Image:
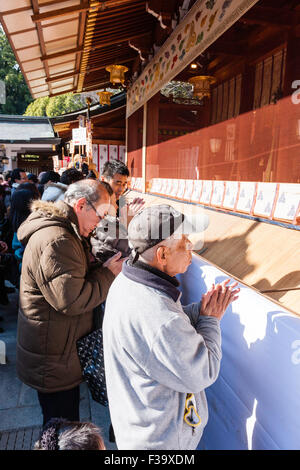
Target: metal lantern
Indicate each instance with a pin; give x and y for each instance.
(201, 84)
(104, 97)
(117, 73)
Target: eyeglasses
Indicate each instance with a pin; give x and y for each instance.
(191, 416)
(94, 208)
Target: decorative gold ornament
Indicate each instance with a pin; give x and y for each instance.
(201, 84)
(117, 73)
(104, 97)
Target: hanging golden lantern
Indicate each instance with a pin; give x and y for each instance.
(117, 73)
(104, 97)
(201, 84)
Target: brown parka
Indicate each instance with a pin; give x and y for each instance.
(58, 291)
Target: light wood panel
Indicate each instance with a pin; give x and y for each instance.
(263, 255)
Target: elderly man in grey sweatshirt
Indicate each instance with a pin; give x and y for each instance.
(160, 356)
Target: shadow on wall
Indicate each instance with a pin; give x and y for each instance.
(290, 280)
(254, 402)
(230, 253)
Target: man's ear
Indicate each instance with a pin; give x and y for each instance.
(161, 255)
(79, 205)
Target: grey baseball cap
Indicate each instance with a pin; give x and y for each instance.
(156, 223)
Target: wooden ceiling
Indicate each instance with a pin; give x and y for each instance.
(64, 45)
(47, 39)
(107, 38)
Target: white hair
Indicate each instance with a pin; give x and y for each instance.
(92, 190)
(149, 255)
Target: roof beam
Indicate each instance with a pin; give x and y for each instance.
(105, 5)
(102, 66)
(40, 34)
(118, 40)
(72, 90)
(60, 54)
(16, 10)
(62, 77)
(49, 15)
(96, 85)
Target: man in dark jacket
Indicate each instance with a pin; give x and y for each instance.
(58, 292)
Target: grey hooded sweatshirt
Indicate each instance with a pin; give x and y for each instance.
(156, 352)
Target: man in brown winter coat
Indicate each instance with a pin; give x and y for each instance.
(58, 291)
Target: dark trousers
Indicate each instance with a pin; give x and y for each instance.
(63, 404)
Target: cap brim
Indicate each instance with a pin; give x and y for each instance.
(193, 224)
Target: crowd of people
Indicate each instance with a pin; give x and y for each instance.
(76, 250)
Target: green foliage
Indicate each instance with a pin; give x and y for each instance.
(181, 92)
(17, 93)
(54, 106)
(62, 104)
(37, 107)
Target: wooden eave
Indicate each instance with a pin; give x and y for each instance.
(47, 40)
(64, 46)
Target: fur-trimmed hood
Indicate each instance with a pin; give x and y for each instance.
(47, 214)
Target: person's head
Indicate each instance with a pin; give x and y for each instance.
(116, 174)
(41, 174)
(90, 201)
(7, 175)
(172, 255)
(71, 175)
(18, 176)
(31, 187)
(158, 236)
(20, 204)
(32, 177)
(49, 176)
(61, 434)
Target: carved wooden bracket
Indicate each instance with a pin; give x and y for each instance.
(163, 11)
(143, 46)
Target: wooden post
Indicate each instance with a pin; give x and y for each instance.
(135, 143)
(126, 141)
(247, 92)
(144, 148)
(243, 164)
(292, 68)
(152, 137)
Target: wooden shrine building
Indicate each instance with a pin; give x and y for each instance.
(212, 116)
